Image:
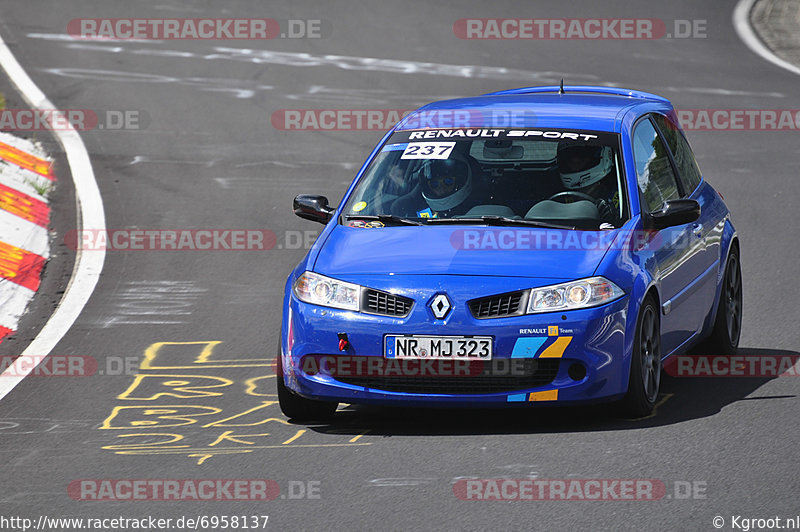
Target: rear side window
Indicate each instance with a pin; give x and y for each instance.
(654, 173)
(688, 170)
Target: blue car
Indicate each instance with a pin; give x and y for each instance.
(549, 245)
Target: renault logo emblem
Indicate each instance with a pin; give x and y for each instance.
(440, 306)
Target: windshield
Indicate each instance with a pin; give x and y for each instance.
(557, 177)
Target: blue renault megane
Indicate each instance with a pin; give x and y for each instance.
(538, 245)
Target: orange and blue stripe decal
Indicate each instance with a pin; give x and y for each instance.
(557, 348)
(24, 206)
(528, 347)
(544, 395)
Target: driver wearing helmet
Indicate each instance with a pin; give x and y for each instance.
(447, 185)
(587, 169)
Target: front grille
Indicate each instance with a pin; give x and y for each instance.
(531, 373)
(386, 304)
(499, 306)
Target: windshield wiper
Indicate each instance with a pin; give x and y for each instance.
(497, 220)
(388, 219)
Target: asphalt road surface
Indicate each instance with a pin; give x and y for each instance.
(208, 156)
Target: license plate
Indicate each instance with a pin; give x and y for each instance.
(439, 347)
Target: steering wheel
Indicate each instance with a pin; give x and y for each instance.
(573, 193)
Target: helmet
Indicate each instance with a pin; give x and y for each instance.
(446, 183)
(583, 165)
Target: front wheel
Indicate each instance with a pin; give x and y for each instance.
(299, 408)
(644, 379)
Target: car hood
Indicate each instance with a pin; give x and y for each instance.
(463, 250)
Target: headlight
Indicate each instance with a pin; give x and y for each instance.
(573, 295)
(320, 290)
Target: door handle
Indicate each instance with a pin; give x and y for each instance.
(697, 229)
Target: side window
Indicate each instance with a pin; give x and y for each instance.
(654, 173)
(689, 172)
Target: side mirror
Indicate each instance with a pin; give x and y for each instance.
(675, 212)
(314, 208)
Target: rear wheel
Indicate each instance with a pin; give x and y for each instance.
(645, 375)
(724, 339)
(299, 408)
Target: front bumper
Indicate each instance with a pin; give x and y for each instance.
(584, 352)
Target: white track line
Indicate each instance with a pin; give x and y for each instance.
(88, 265)
(741, 22)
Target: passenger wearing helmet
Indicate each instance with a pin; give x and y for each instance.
(447, 185)
(589, 169)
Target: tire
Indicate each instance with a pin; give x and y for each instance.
(644, 378)
(299, 408)
(724, 338)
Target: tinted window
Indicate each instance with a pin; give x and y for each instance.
(564, 177)
(689, 172)
(653, 169)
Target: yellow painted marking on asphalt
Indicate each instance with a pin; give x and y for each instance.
(223, 450)
(265, 404)
(156, 380)
(252, 384)
(203, 359)
(557, 348)
(297, 435)
(162, 444)
(206, 355)
(170, 412)
(151, 353)
(203, 454)
(237, 438)
(654, 413)
(546, 395)
(180, 386)
(356, 438)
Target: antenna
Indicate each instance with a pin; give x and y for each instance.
(561, 89)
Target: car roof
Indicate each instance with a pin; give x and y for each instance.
(579, 107)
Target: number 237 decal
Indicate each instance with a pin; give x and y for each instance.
(428, 150)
